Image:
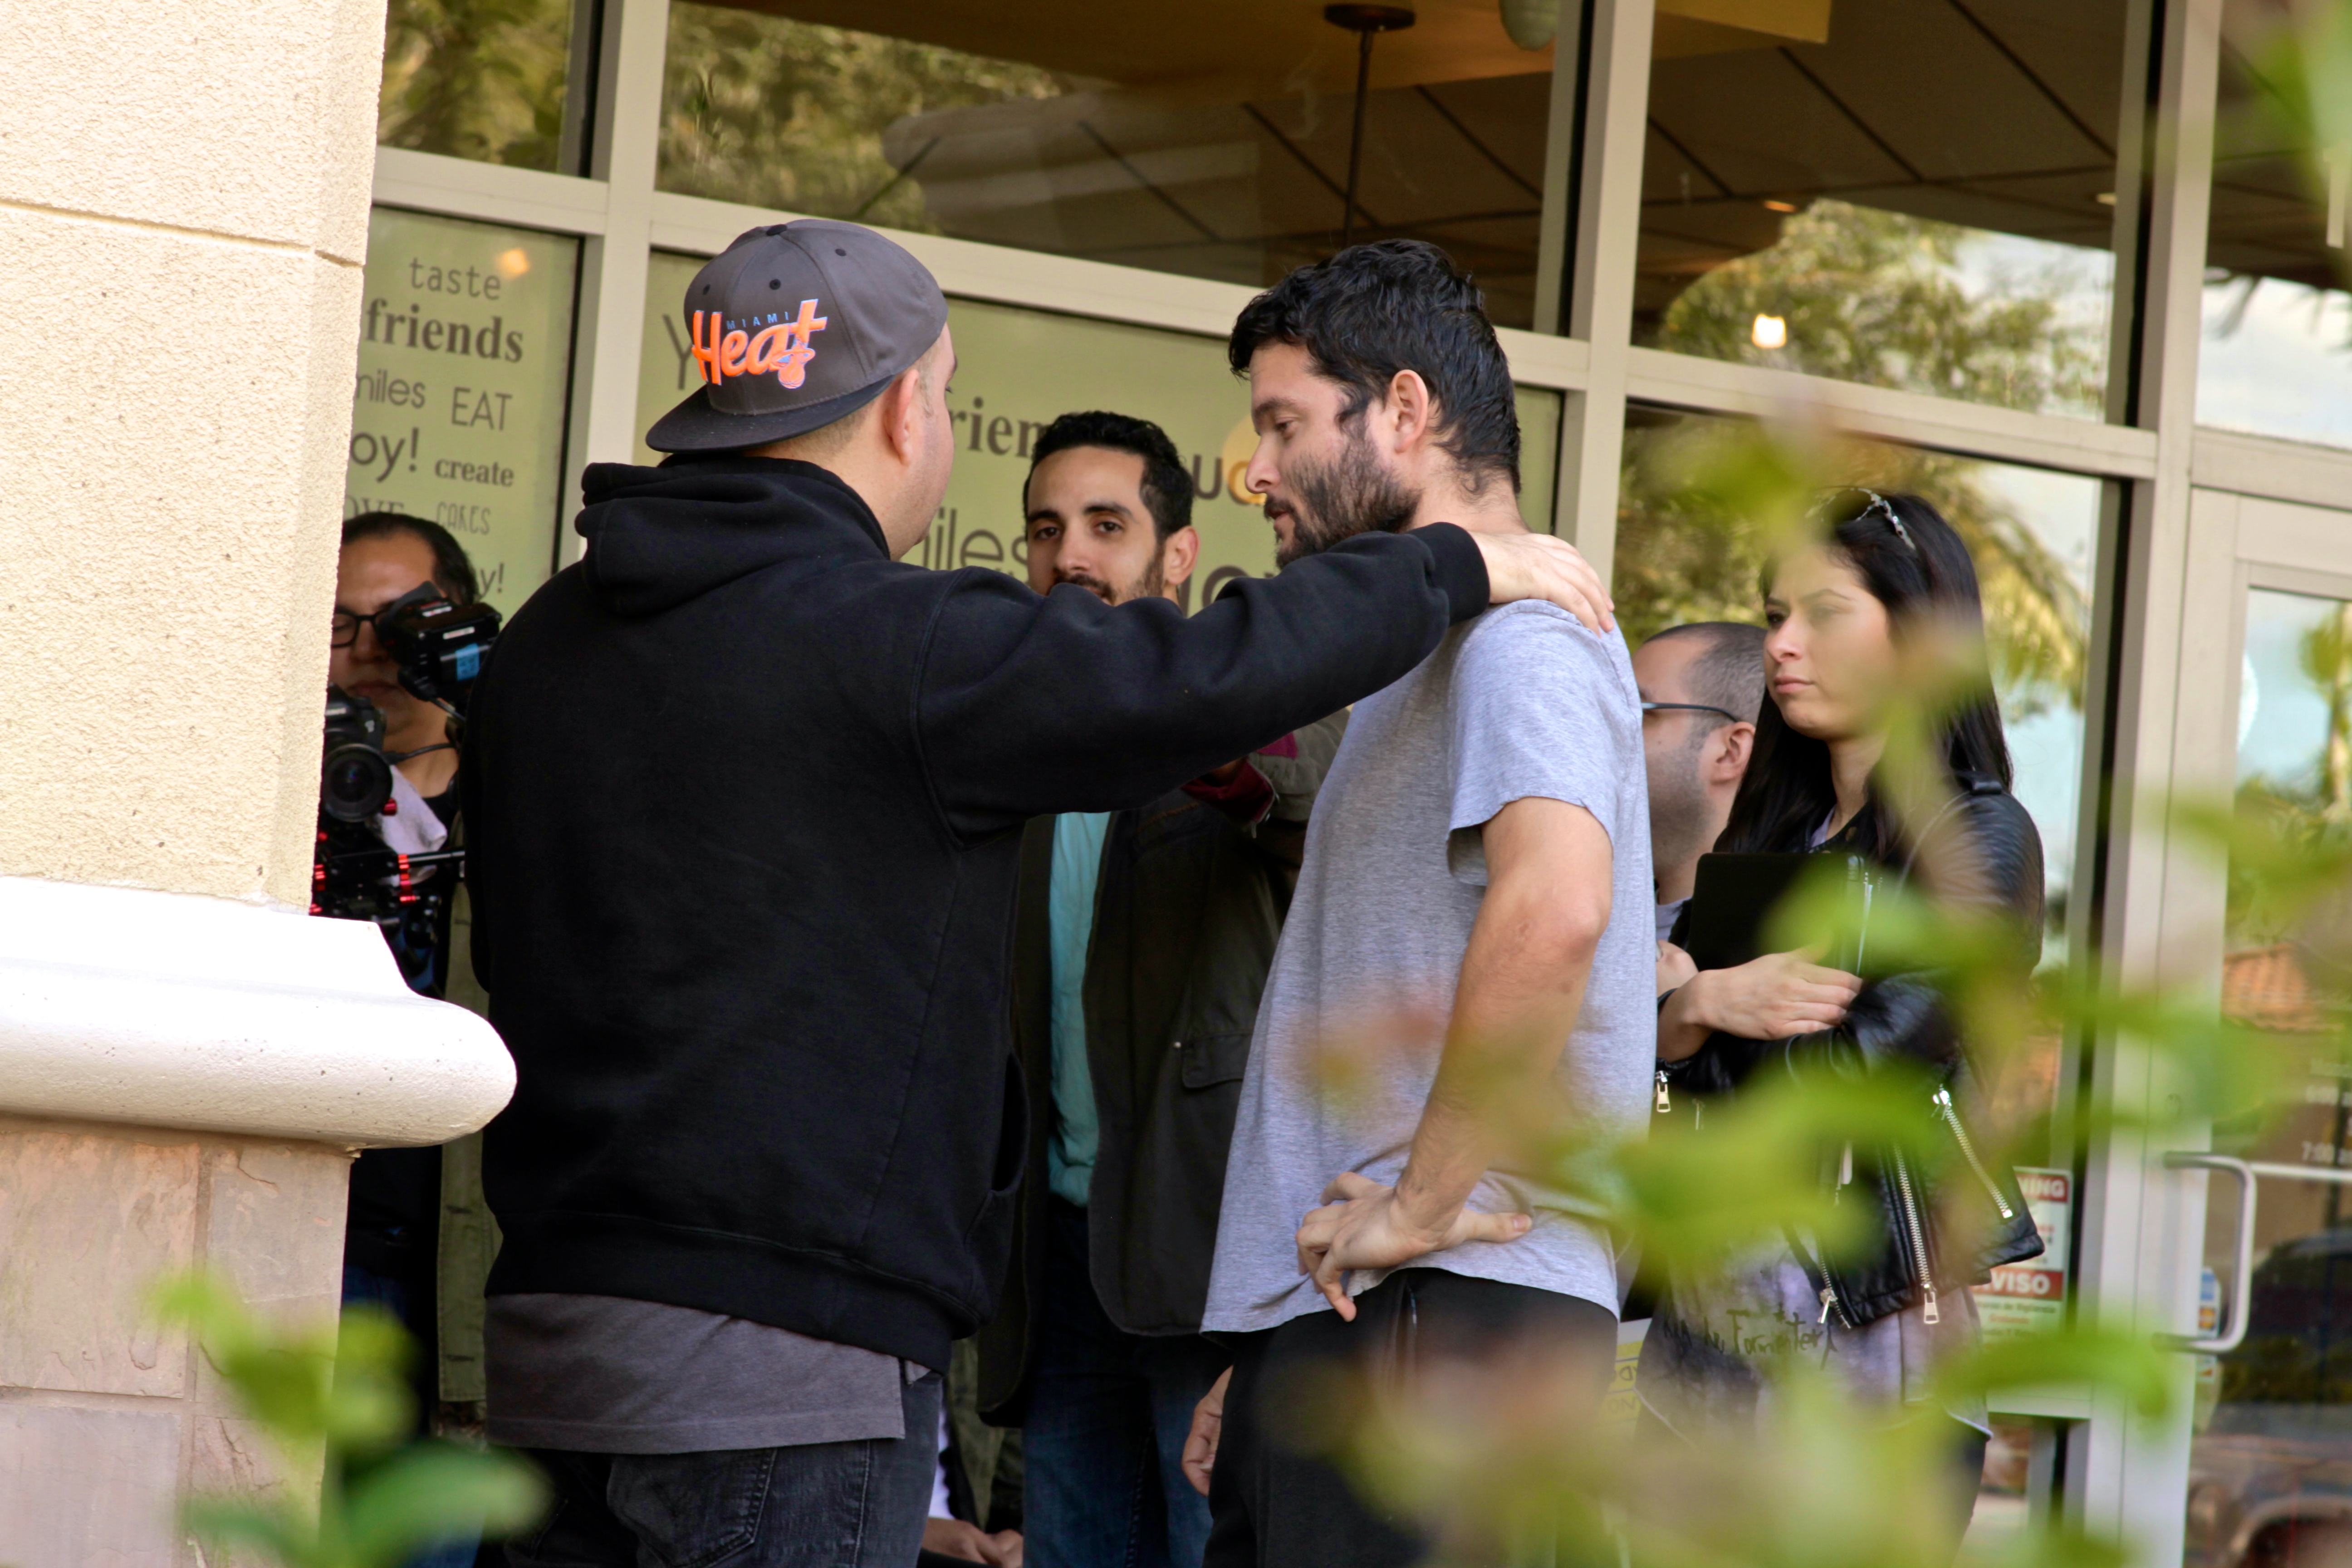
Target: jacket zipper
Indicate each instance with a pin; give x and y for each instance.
(1830, 1303)
(1862, 935)
(1664, 1105)
(1951, 1115)
(1918, 1237)
(1818, 1268)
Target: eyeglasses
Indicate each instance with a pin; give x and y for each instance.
(1690, 708)
(345, 628)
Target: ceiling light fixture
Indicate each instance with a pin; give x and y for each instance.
(1769, 332)
(1781, 206)
(1531, 23)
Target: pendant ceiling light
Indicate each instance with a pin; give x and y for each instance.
(1364, 21)
(1531, 23)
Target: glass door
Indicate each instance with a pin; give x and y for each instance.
(2270, 1462)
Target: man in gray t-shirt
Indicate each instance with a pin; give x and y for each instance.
(1468, 958)
(1522, 704)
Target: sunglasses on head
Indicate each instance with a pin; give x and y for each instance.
(1878, 504)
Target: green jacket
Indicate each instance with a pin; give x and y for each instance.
(1187, 913)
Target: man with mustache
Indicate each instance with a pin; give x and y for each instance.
(1141, 942)
(1469, 952)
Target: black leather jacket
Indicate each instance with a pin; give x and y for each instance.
(1902, 1020)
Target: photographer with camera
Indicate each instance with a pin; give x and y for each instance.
(407, 639)
(386, 557)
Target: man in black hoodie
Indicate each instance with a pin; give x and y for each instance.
(746, 794)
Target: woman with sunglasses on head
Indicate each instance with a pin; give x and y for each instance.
(1853, 620)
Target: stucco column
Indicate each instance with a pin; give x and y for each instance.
(186, 1059)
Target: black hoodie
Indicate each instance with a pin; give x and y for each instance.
(743, 796)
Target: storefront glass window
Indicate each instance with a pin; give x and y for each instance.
(458, 411)
(1680, 558)
(486, 79)
(1016, 370)
(1912, 194)
(1215, 144)
(2276, 359)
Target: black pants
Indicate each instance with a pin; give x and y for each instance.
(1275, 1501)
(1965, 1477)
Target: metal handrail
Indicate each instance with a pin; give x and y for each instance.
(2241, 1283)
(2334, 1178)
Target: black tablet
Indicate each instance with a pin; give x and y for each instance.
(1731, 901)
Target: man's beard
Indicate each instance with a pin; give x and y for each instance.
(1352, 495)
(1151, 585)
(1680, 811)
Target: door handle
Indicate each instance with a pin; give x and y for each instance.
(2241, 1283)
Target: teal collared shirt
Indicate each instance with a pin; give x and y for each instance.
(1070, 917)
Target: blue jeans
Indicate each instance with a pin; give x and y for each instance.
(1108, 1412)
(815, 1505)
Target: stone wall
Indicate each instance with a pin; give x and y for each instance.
(186, 1061)
(102, 1412)
(183, 196)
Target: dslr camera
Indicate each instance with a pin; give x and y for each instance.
(438, 647)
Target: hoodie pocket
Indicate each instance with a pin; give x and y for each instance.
(1212, 1059)
(1012, 1156)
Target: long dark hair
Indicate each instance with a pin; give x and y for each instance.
(1913, 562)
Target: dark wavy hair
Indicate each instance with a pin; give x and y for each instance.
(1167, 484)
(1399, 304)
(453, 571)
(1913, 562)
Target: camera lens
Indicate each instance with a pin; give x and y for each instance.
(354, 783)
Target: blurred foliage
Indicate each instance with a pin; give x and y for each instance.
(335, 1402)
(2327, 659)
(1705, 504)
(781, 114)
(475, 78)
(777, 114)
(2298, 58)
(1874, 298)
(1494, 1464)
(1878, 298)
(1489, 1458)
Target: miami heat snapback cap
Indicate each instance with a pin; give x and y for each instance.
(795, 325)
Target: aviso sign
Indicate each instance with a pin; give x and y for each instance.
(1017, 369)
(457, 412)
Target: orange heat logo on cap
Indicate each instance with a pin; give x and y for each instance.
(778, 345)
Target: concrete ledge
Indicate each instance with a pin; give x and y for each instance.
(118, 1005)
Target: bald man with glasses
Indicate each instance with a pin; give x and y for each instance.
(1701, 686)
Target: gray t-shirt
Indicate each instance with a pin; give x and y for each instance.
(604, 1374)
(1667, 914)
(1522, 701)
